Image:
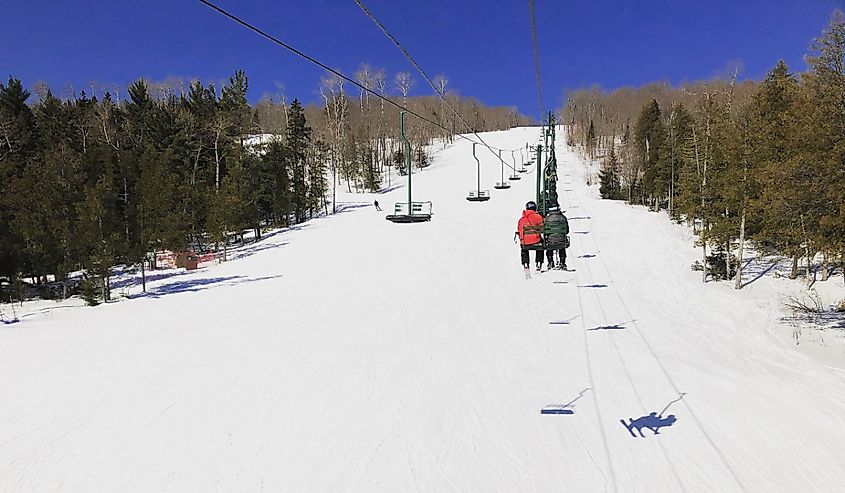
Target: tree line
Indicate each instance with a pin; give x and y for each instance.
(91, 181)
(757, 164)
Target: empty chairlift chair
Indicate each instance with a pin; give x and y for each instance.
(417, 212)
(478, 195)
(502, 185)
(514, 176)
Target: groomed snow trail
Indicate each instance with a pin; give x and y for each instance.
(353, 354)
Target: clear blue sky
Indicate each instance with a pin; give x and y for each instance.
(483, 46)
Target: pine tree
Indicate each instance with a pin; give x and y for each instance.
(822, 142)
(679, 133)
(649, 138)
(298, 138)
(591, 139)
(609, 178)
(276, 190)
(18, 146)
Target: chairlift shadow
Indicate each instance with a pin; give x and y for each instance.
(563, 322)
(588, 255)
(563, 408)
(593, 286)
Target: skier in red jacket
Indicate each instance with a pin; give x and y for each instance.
(530, 218)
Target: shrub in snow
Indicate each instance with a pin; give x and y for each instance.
(91, 292)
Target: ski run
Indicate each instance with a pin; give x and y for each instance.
(352, 354)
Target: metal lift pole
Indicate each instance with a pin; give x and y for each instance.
(477, 170)
(407, 157)
(539, 171)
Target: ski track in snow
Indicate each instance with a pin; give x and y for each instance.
(352, 354)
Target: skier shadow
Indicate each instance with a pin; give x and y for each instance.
(610, 327)
(653, 421)
(194, 285)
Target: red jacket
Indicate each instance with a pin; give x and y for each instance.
(529, 218)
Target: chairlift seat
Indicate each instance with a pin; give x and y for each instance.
(515, 177)
(479, 196)
(502, 185)
(419, 212)
(545, 231)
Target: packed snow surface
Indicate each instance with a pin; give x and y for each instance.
(353, 354)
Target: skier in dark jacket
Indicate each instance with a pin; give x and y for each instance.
(557, 227)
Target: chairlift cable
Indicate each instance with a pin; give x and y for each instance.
(536, 56)
(428, 79)
(299, 53)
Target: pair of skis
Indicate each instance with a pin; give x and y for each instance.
(527, 271)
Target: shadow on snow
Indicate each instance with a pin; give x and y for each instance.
(194, 285)
(653, 421)
(563, 408)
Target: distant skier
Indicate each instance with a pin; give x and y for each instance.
(530, 218)
(375, 203)
(558, 228)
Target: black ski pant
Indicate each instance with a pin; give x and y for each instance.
(550, 255)
(525, 256)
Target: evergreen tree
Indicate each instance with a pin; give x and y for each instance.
(609, 178)
(318, 186)
(18, 146)
(649, 137)
(277, 191)
(591, 139)
(822, 142)
(298, 138)
(678, 135)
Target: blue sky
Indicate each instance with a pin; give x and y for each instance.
(483, 47)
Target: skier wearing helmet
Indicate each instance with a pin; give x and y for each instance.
(531, 218)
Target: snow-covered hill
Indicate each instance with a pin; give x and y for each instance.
(353, 354)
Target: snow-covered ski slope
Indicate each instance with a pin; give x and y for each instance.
(353, 354)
